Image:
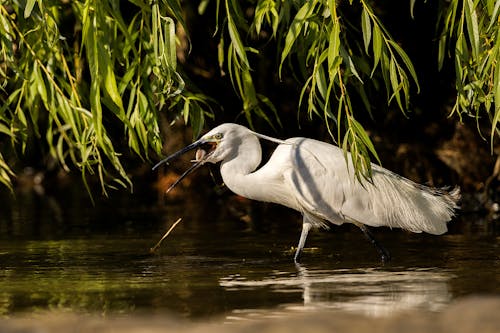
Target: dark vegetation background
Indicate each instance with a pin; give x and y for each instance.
(425, 143)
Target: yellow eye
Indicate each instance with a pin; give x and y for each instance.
(218, 136)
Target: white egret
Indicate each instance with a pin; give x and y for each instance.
(314, 178)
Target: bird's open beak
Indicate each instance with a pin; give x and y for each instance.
(205, 150)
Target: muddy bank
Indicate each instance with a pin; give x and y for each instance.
(472, 314)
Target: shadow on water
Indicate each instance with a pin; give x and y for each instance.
(62, 253)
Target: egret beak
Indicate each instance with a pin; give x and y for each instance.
(201, 156)
(184, 150)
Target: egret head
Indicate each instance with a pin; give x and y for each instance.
(213, 147)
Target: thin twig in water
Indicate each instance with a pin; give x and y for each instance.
(154, 248)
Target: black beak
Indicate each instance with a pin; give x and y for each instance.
(192, 168)
(184, 150)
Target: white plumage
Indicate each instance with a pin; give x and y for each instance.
(314, 178)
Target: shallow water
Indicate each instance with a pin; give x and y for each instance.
(63, 254)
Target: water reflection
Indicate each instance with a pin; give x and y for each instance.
(370, 291)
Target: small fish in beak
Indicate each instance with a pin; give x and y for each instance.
(200, 154)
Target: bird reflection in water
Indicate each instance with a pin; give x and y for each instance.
(368, 291)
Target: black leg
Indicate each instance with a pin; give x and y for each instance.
(384, 254)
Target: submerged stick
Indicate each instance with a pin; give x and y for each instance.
(154, 248)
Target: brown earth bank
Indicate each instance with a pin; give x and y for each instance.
(479, 314)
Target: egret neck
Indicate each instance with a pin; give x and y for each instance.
(237, 167)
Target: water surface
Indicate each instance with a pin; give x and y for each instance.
(232, 262)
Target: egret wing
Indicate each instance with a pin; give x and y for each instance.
(315, 178)
(325, 184)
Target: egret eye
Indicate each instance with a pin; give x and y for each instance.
(218, 136)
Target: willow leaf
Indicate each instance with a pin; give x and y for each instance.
(333, 45)
(295, 28)
(393, 76)
(472, 26)
(185, 110)
(28, 8)
(365, 139)
(169, 45)
(366, 28)
(494, 14)
(350, 64)
(176, 10)
(407, 62)
(496, 117)
(377, 46)
(412, 6)
(442, 51)
(112, 88)
(235, 38)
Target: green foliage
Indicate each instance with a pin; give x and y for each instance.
(88, 79)
(105, 71)
(335, 66)
(234, 55)
(317, 46)
(470, 32)
(337, 56)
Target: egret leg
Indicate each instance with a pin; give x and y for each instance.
(384, 254)
(306, 226)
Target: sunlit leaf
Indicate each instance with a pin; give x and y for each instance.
(203, 6)
(235, 38)
(494, 15)
(377, 47)
(28, 8)
(407, 61)
(472, 26)
(295, 29)
(352, 66)
(366, 29)
(365, 138)
(186, 111)
(496, 114)
(333, 46)
(112, 88)
(412, 6)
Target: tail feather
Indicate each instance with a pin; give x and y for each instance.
(412, 206)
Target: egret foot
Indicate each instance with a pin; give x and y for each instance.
(306, 226)
(385, 256)
(296, 257)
